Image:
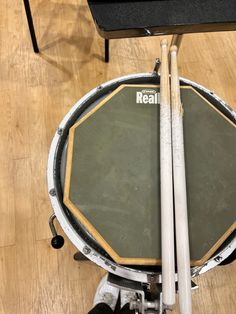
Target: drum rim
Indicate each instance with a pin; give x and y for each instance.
(80, 243)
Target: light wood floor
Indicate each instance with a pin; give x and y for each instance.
(36, 91)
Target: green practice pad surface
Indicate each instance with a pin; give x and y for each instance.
(115, 177)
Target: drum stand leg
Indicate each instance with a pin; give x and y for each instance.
(79, 257)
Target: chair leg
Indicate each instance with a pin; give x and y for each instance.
(106, 47)
(31, 26)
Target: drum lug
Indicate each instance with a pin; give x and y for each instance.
(52, 192)
(86, 250)
(57, 241)
(194, 286)
(59, 131)
(218, 258)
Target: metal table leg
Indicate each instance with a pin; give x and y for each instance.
(106, 46)
(176, 41)
(31, 26)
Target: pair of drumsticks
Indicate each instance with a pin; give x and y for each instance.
(173, 181)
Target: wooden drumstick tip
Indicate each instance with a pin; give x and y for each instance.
(164, 42)
(173, 49)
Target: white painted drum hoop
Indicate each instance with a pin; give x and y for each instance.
(78, 241)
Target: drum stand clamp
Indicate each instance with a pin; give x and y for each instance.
(149, 298)
(57, 241)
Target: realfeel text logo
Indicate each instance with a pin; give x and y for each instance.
(148, 96)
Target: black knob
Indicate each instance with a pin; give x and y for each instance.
(57, 242)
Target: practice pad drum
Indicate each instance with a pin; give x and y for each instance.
(103, 176)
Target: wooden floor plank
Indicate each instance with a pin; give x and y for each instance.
(9, 288)
(36, 91)
(7, 206)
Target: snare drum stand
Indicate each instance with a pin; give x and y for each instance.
(149, 295)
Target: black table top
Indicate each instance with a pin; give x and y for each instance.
(117, 19)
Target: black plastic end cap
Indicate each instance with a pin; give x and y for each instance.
(57, 242)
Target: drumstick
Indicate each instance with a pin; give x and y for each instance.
(180, 197)
(167, 219)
